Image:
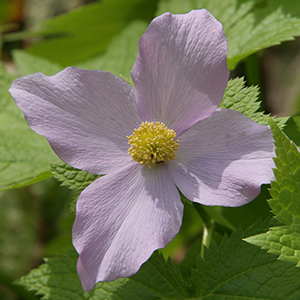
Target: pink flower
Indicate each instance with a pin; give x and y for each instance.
(150, 140)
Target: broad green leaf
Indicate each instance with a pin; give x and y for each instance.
(86, 32)
(71, 177)
(28, 63)
(25, 156)
(284, 240)
(121, 53)
(250, 25)
(234, 270)
(245, 100)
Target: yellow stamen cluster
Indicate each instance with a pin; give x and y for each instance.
(152, 143)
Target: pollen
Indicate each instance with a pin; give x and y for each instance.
(152, 144)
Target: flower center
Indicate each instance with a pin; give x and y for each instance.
(152, 143)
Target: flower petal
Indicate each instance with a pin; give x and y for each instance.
(85, 115)
(121, 219)
(224, 159)
(181, 72)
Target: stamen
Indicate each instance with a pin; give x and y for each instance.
(152, 144)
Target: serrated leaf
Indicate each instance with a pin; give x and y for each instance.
(25, 156)
(245, 100)
(284, 241)
(250, 25)
(241, 98)
(285, 191)
(86, 32)
(71, 177)
(57, 279)
(234, 270)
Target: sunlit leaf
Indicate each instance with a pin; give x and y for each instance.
(250, 25)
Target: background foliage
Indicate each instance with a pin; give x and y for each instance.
(36, 219)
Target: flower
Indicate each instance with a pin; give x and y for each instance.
(150, 140)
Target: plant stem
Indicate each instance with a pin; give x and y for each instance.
(208, 230)
(208, 226)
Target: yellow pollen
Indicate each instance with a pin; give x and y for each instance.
(152, 143)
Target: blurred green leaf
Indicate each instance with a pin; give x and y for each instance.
(20, 35)
(25, 156)
(86, 32)
(284, 240)
(121, 53)
(16, 228)
(17, 241)
(29, 63)
(250, 25)
(234, 270)
(245, 100)
(6, 8)
(292, 129)
(216, 213)
(297, 122)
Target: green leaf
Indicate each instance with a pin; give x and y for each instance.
(57, 279)
(245, 100)
(237, 270)
(292, 129)
(285, 191)
(121, 53)
(29, 63)
(86, 32)
(284, 241)
(5, 10)
(216, 214)
(234, 270)
(16, 228)
(71, 177)
(25, 156)
(250, 25)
